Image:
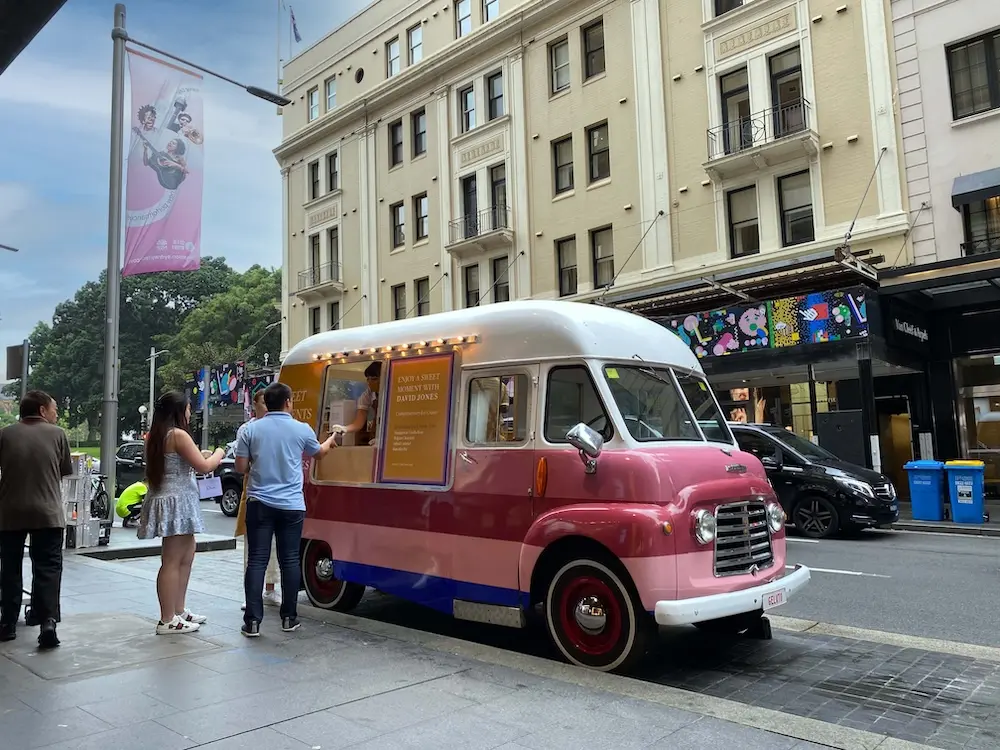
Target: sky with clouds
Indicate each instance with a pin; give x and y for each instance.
(55, 130)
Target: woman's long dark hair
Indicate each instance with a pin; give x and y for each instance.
(170, 413)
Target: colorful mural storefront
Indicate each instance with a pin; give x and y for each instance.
(815, 318)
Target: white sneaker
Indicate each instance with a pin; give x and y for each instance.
(176, 625)
(272, 598)
(188, 616)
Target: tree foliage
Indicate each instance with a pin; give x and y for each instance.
(68, 354)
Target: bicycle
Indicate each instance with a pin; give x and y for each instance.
(100, 506)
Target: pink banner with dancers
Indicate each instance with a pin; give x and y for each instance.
(165, 168)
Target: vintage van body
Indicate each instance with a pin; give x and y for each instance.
(529, 456)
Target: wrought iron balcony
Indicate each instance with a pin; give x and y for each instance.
(484, 230)
(759, 140)
(981, 245)
(319, 279)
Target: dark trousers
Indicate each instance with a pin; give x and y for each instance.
(46, 553)
(265, 523)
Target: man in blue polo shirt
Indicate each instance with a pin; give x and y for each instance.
(271, 449)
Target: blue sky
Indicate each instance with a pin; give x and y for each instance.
(55, 130)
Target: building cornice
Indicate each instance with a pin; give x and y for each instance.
(427, 73)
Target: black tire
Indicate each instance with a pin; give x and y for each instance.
(733, 625)
(325, 591)
(619, 635)
(229, 504)
(815, 517)
(100, 505)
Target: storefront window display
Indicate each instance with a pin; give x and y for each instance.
(979, 413)
(785, 405)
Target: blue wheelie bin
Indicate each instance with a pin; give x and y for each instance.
(927, 489)
(965, 486)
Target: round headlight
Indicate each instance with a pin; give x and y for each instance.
(775, 517)
(704, 526)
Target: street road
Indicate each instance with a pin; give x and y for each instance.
(929, 585)
(215, 521)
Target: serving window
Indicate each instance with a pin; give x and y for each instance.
(351, 401)
(497, 410)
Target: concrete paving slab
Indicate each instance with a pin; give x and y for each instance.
(98, 642)
(124, 545)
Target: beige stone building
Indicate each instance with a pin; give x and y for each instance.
(442, 154)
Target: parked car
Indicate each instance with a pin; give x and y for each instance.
(821, 494)
(232, 483)
(130, 465)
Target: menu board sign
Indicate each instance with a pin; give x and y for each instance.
(416, 437)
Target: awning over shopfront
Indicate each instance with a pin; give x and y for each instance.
(975, 187)
(765, 280)
(947, 284)
(20, 22)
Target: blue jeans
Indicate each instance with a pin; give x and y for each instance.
(265, 523)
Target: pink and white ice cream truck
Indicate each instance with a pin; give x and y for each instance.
(535, 456)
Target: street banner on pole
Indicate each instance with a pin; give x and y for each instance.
(165, 168)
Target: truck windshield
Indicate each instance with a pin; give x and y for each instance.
(654, 409)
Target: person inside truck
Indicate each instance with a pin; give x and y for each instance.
(367, 415)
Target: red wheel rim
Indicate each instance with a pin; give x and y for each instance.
(587, 641)
(324, 589)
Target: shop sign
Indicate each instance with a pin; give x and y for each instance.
(816, 318)
(906, 328)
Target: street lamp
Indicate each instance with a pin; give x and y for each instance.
(109, 411)
(153, 354)
(142, 414)
(267, 329)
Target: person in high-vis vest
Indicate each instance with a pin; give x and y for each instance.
(272, 574)
(129, 505)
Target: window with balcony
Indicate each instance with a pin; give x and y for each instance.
(399, 302)
(501, 279)
(559, 65)
(602, 250)
(397, 213)
(737, 131)
(392, 58)
(315, 260)
(562, 163)
(333, 250)
(418, 126)
(974, 75)
(312, 104)
(332, 171)
(331, 93)
(566, 261)
(314, 186)
(724, 6)
(795, 208)
(470, 277)
(422, 291)
(463, 17)
(788, 115)
(334, 310)
(469, 223)
(315, 325)
(467, 108)
(599, 152)
(981, 222)
(396, 143)
(593, 50)
(421, 211)
(494, 93)
(744, 228)
(415, 44)
(498, 195)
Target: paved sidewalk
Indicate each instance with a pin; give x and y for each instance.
(991, 528)
(114, 685)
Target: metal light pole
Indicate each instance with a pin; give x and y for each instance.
(109, 412)
(25, 355)
(8, 247)
(153, 354)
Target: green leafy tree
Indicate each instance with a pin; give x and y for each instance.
(240, 323)
(68, 355)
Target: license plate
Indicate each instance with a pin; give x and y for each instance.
(774, 599)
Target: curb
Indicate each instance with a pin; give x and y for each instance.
(131, 553)
(763, 719)
(940, 528)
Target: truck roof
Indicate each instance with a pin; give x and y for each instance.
(527, 330)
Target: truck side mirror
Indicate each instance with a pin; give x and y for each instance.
(589, 442)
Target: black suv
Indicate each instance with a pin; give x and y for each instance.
(232, 483)
(130, 465)
(821, 494)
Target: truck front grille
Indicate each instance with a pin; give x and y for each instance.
(742, 539)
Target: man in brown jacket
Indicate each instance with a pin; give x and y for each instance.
(34, 457)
